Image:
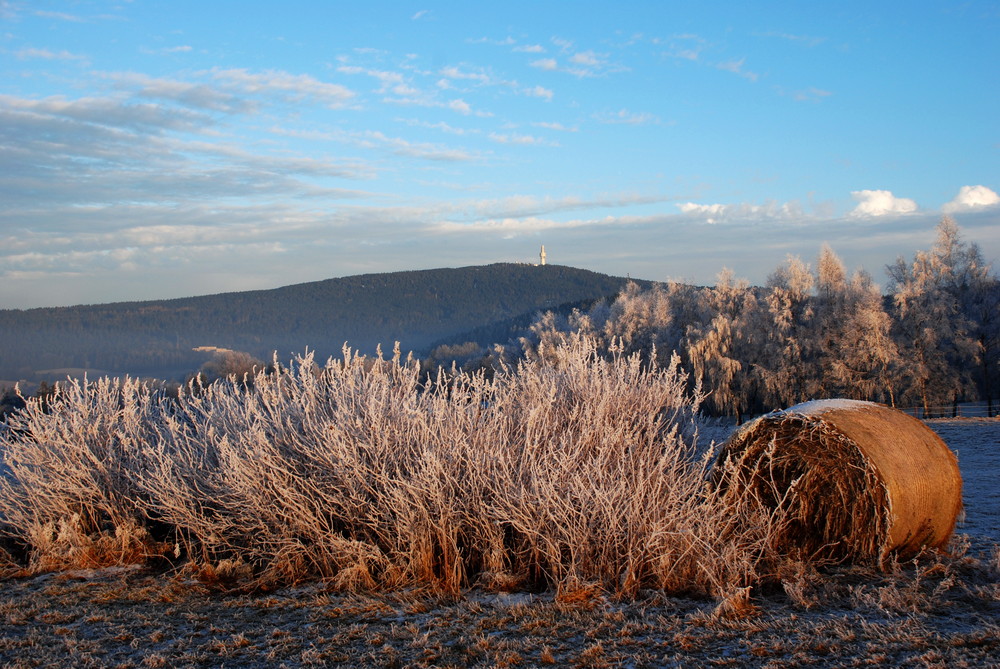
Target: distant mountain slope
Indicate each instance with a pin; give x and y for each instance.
(415, 308)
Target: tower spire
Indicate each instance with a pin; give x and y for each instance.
(541, 256)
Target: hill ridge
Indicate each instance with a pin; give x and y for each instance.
(414, 307)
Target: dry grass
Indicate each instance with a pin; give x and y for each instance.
(581, 469)
(934, 611)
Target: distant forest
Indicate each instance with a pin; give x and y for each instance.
(932, 341)
(159, 338)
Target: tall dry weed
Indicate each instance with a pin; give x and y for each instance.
(574, 467)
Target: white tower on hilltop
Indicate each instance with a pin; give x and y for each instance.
(541, 256)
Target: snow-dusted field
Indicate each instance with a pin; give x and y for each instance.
(976, 441)
(941, 612)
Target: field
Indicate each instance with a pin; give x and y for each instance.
(936, 611)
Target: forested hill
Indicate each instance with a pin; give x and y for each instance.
(157, 337)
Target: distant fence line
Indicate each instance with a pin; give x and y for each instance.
(960, 410)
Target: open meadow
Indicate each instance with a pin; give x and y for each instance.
(523, 529)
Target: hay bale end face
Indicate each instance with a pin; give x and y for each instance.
(843, 480)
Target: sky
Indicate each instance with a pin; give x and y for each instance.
(157, 149)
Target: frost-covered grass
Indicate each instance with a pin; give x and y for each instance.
(263, 485)
(577, 473)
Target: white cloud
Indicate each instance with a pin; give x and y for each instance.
(684, 54)
(880, 203)
(530, 48)
(200, 96)
(972, 197)
(515, 138)
(546, 64)
(506, 41)
(440, 125)
(461, 106)
(624, 116)
(539, 92)
(736, 67)
(108, 112)
(586, 58)
(62, 16)
(719, 213)
(811, 94)
(296, 86)
(419, 15)
(453, 72)
(45, 54)
(402, 147)
(388, 80)
(805, 40)
(555, 126)
(563, 44)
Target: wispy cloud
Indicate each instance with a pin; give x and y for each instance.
(546, 64)
(61, 16)
(104, 112)
(296, 87)
(189, 94)
(539, 92)
(626, 117)
(389, 81)
(523, 140)
(440, 125)
(683, 47)
(461, 106)
(810, 94)
(529, 48)
(586, 58)
(581, 64)
(736, 67)
(506, 41)
(564, 44)
(804, 40)
(453, 72)
(46, 54)
(555, 126)
(422, 150)
(718, 213)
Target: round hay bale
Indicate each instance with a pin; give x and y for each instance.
(843, 480)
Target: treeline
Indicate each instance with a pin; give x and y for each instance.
(932, 341)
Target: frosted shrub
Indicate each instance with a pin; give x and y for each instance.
(572, 468)
(71, 471)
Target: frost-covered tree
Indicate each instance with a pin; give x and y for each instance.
(932, 328)
(720, 344)
(784, 329)
(852, 345)
(984, 314)
(653, 319)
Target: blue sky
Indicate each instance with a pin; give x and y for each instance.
(163, 149)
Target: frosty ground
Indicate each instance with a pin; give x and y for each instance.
(936, 611)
